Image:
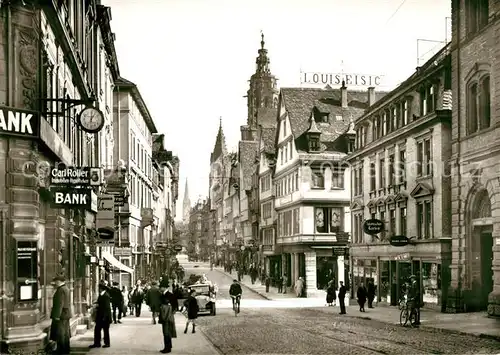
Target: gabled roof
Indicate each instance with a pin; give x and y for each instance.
(267, 136)
(246, 154)
(122, 84)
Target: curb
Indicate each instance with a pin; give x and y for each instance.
(245, 286)
(216, 348)
(440, 330)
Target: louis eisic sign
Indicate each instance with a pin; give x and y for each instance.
(335, 79)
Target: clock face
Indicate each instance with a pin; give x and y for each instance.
(91, 120)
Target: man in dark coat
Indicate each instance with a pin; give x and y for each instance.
(153, 300)
(191, 304)
(60, 315)
(342, 292)
(116, 301)
(136, 298)
(371, 293)
(103, 318)
(166, 317)
(361, 295)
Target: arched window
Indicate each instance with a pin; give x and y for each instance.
(478, 105)
(483, 206)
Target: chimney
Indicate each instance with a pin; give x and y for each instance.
(371, 96)
(343, 93)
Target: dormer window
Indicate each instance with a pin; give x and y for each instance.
(321, 117)
(313, 144)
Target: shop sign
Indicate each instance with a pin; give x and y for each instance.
(336, 79)
(19, 122)
(105, 211)
(373, 226)
(71, 198)
(399, 241)
(72, 175)
(27, 270)
(402, 257)
(339, 251)
(178, 248)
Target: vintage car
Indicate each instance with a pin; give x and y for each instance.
(205, 297)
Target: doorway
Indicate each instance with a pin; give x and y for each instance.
(486, 240)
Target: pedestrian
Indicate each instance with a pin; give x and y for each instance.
(191, 305)
(125, 303)
(166, 318)
(153, 300)
(137, 298)
(342, 293)
(268, 283)
(130, 303)
(117, 302)
(60, 315)
(371, 293)
(299, 287)
(103, 318)
(331, 293)
(285, 283)
(280, 284)
(361, 295)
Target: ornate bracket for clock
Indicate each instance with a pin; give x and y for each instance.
(68, 104)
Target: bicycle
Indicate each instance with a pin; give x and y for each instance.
(402, 302)
(236, 304)
(408, 313)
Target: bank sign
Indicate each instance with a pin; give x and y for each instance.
(67, 198)
(19, 122)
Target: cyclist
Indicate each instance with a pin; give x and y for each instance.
(235, 292)
(414, 298)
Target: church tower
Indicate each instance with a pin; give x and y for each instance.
(262, 94)
(186, 205)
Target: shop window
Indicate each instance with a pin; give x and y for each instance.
(431, 283)
(329, 219)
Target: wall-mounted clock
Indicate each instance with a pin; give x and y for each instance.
(91, 120)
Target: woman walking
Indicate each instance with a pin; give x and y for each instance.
(125, 304)
(331, 293)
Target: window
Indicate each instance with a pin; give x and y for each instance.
(318, 179)
(281, 156)
(402, 220)
(337, 178)
(424, 219)
(268, 236)
(329, 219)
(478, 105)
(382, 218)
(313, 144)
(384, 124)
(381, 173)
(394, 118)
(373, 176)
(285, 223)
(392, 221)
(290, 150)
(265, 183)
(286, 153)
(404, 116)
(296, 221)
(350, 146)
(374, 130)
(427, 100)
(360, 180)
(402, 166)
(424, 157)
(267, 210)
(284, 129)
(477, 12)
(379, 127)
(392, 171)
(297, 180)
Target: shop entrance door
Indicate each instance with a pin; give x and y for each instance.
(486, 267)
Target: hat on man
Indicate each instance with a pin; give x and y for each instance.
(163, 283)
(59, 278)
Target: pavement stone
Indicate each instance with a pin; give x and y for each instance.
(137, 335)
(477, 323)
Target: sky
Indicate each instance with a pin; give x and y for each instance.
(192, 59)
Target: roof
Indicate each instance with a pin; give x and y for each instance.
(124, 84)
(267, 136)
(302, 103)
(246, 154)
(266, 117)
(108, 38)
(219, 146)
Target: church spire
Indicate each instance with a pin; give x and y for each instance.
(220, 143)
(186, 204)
(262, 60)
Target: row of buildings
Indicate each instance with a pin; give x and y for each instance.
(314, 164)
(88, 189)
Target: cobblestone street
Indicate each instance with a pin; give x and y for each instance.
(265, 327)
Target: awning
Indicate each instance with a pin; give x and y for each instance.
(116, 263)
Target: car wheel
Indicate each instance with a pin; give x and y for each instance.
(213, 312)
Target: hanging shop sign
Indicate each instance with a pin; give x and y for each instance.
(71, 198)
(373, 226)
(77, 176)
(399, 241)
(19, 122)
(27, 270)
(105, 211)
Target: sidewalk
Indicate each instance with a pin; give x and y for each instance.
(140, 336)
(477, 324)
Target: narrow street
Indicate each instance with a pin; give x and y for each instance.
(276, 327)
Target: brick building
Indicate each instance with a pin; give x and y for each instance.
(475, 270)
(401, 177)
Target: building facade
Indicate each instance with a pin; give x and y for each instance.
(401, 176)
(311, 184)
(133, 131)
(475, 269)
(44, 85)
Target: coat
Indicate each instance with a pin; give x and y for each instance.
(361, 294)
(331, 294)
(167, 320)
(299, 287)
(103, 309)
(116, 296)
(61, 308)
(153, 299)
(136, 296)
(192, 307)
